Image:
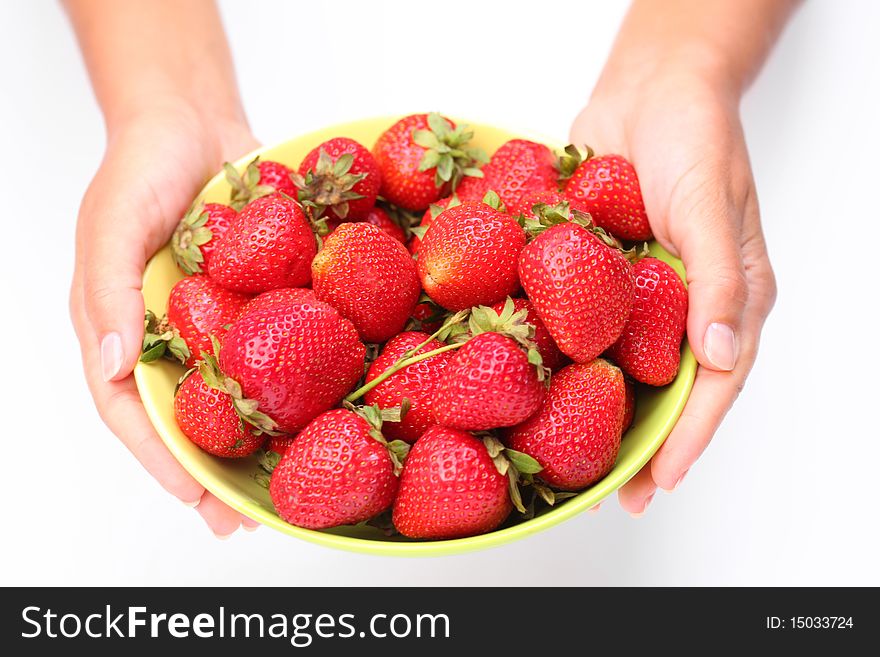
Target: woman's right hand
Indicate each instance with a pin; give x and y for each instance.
(155, 163)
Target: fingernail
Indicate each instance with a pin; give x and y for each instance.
(111, 355)
(644, 508)
(678, 481)
(719, 345)
(191, 505)
(248, 528)
(594, 509)
(223, 537)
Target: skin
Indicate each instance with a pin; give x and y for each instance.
(173, 117)
(667, 100)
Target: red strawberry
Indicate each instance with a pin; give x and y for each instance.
(581, 288)
(576, 434)
(629, 408)
(430, 214)
(337, 472)
(468, 257)
(207, 417)
(269, 245)
(279, 444)
(649, 349)
(551, 357)
(296, 361)
(282, 297)
(380, 219)
(369, 277)
(197, 234)
(421, 157)
(197, 309)
(608, 187)
(416, 382)
(260, 178)
(340, 178)
(520, 167)
(450, 488)
(488, 383)
(427, 316)
(276, 176)
(471, 188)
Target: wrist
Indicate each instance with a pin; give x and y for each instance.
(222, 129)
(689, 68)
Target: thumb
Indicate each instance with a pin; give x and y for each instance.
(717, 286)
(112, 240)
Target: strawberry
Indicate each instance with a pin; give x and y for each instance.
(260, 178)
(649, 349)
(416, 383)
(296, 360)
(469, 256)
(488, 383)
(581, 287)
(423, 156)
(551, 357)
(338, 471)
(518, 168)
(471, 188)
(340, 178)
(279, 444)
(369, 277)
(269, 245)
(608, 188)
(576, 434)
(207, 416)
(281, 297)
(450, 488)
(380, 219)
(197, 309)
(427, 316)
(197, 234)
(629, 408)
(430, 214)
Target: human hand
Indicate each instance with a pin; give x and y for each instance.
(155, 163)
(681, 130)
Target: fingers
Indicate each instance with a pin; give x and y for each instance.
(114, 262)
(715, 391)
(221, 519)
(712, 396)
(637, 493)
(122, 411)
(710, 247)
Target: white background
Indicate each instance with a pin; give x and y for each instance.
(787, 493)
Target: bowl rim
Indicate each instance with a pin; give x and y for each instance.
(412, 548)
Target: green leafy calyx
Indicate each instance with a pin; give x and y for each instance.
(246, 409)
(375, 417)
(570, 160)
(517, 466)
(447, 152)
(329, 185)
(161, 340)
(511, 323)
(191, 234)
(245, 187)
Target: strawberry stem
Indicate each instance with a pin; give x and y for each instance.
(399, 365)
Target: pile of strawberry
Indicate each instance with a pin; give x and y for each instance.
(419, 329)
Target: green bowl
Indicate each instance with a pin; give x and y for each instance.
(232, 481)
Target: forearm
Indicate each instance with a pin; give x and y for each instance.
(723, 41)
(143, 54)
